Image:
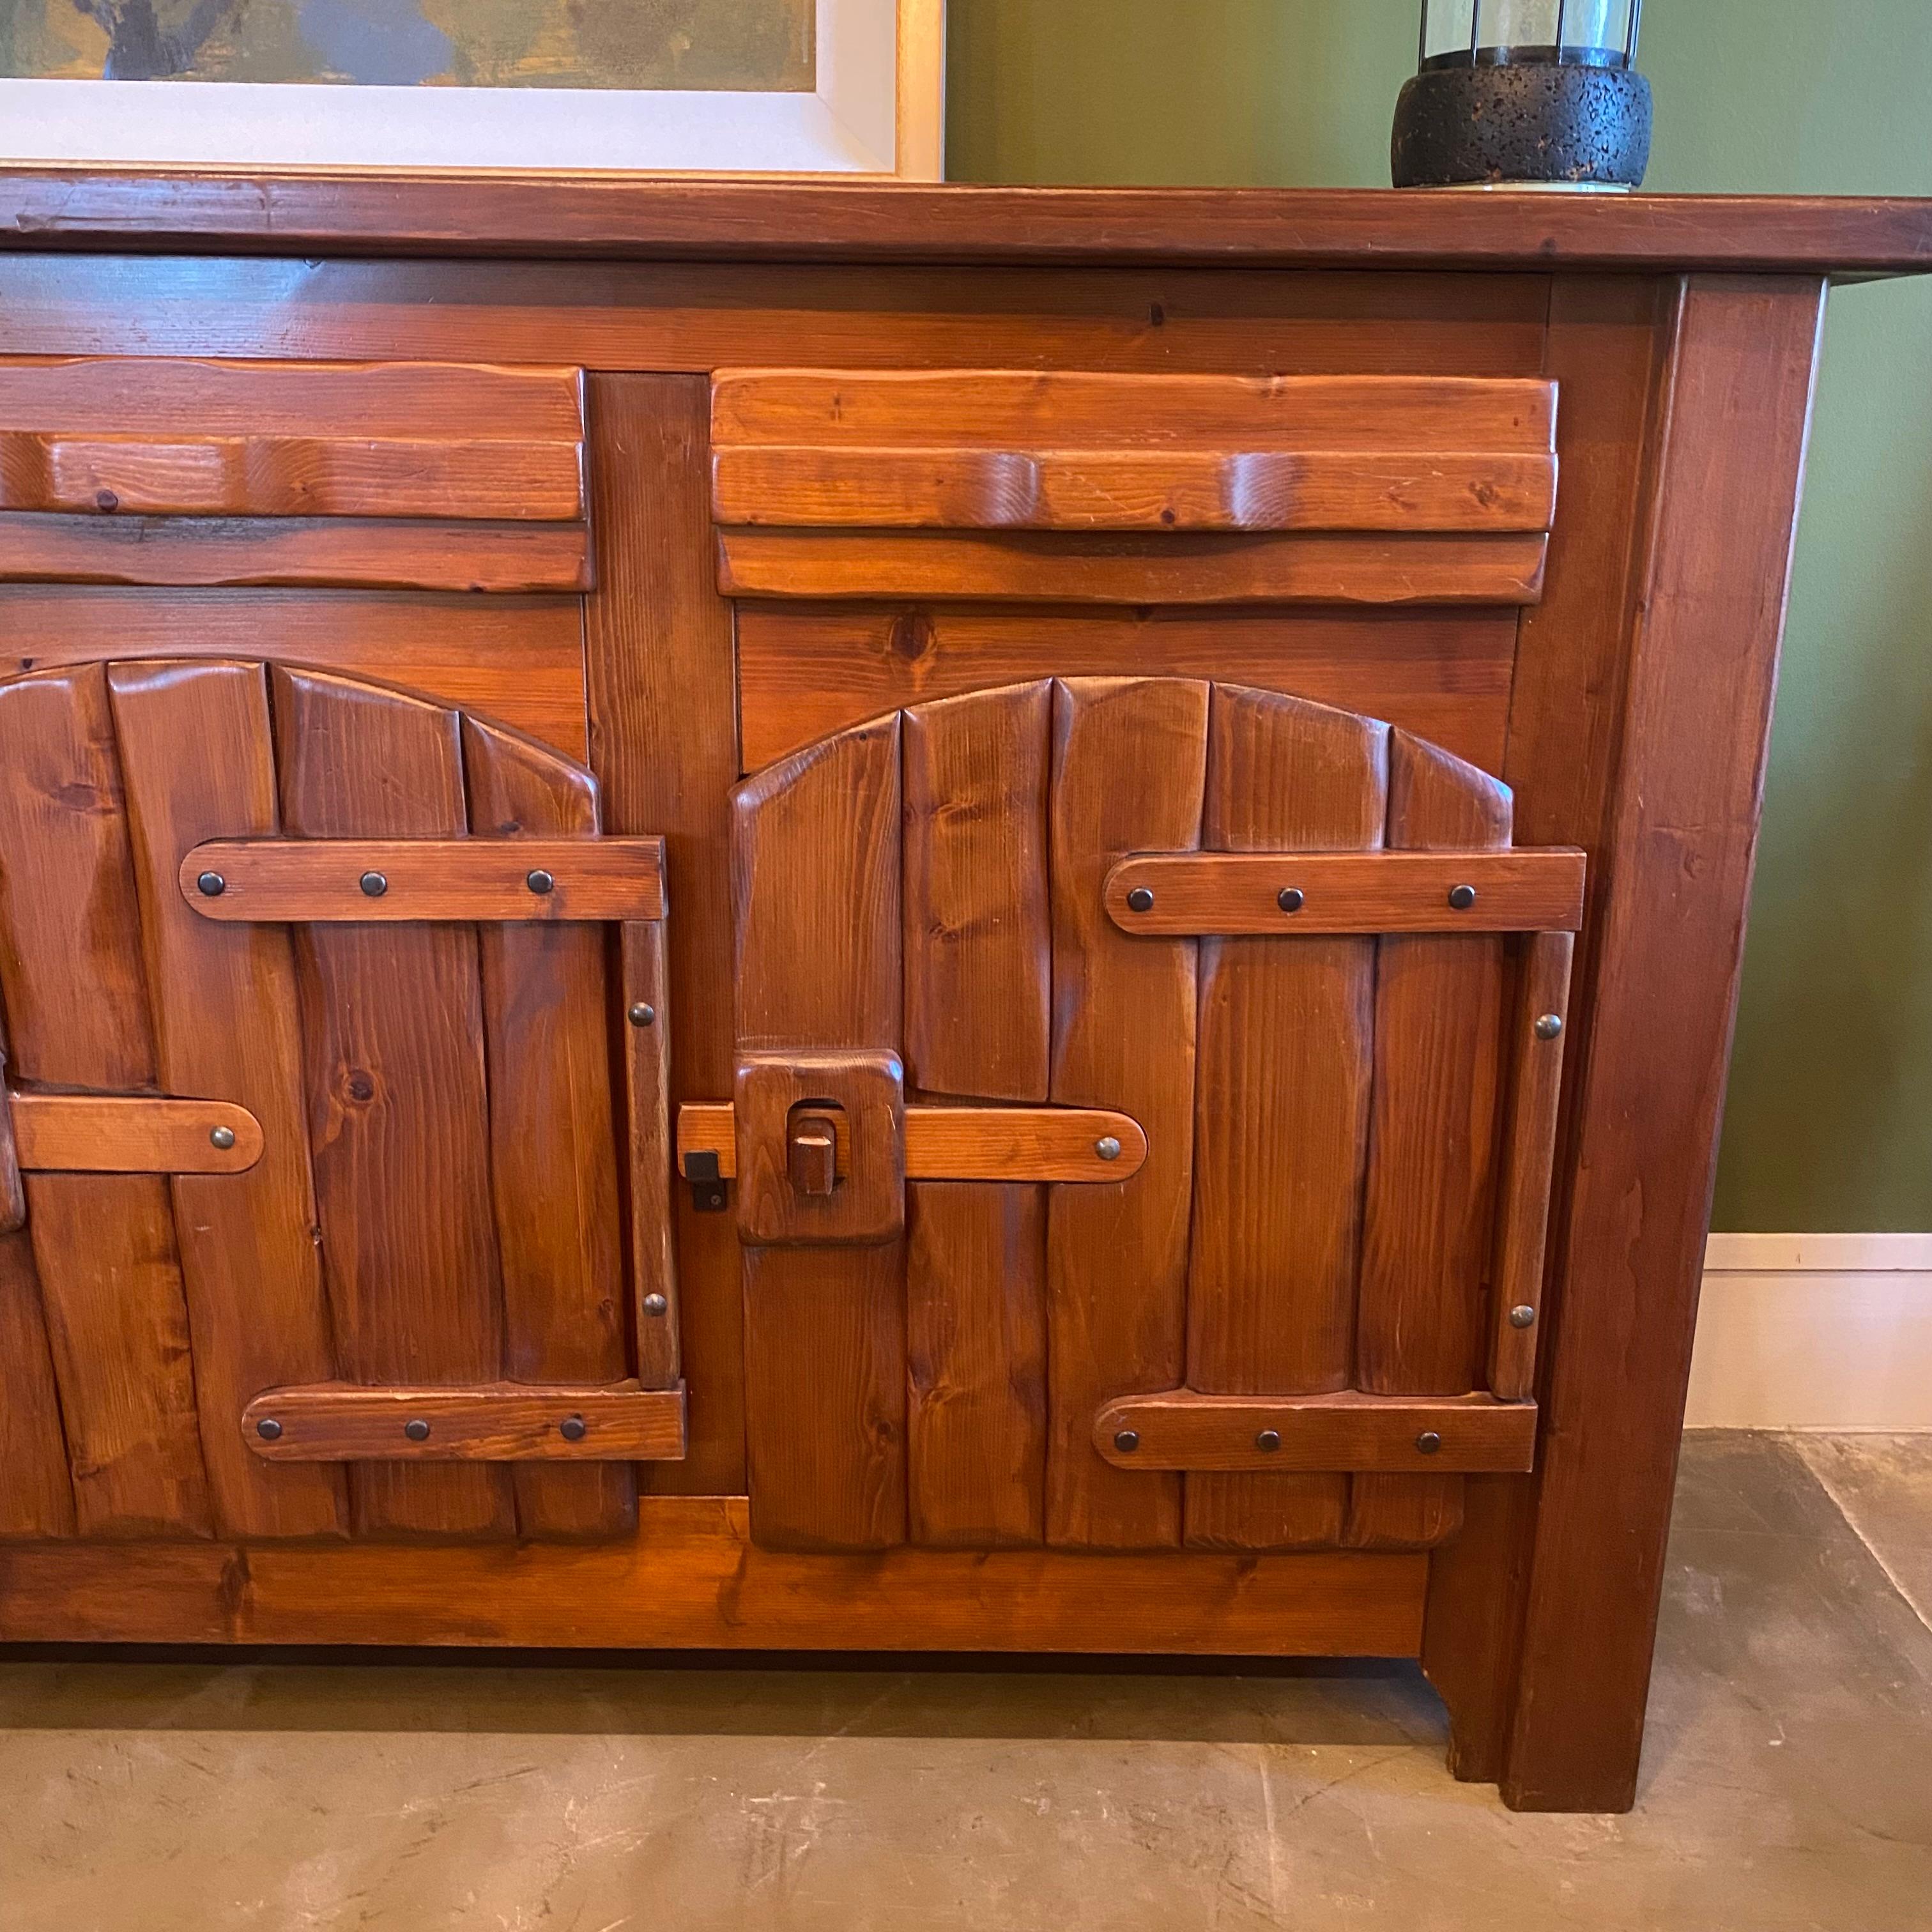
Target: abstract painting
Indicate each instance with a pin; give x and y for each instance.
(765, 46)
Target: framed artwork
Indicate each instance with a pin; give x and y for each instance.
(835, 87)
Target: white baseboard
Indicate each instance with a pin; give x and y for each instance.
(1814, 1331)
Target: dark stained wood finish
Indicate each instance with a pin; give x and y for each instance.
(318, 212)
(657, 648)
(816, 926)
(178, 551)
(1281, 1109)
(1188, 567)
(393, 1046)
(1429, 1198)
(807, 670)
(488, 879)
(77, 1009)
(36, 1497)
(979, 986)
(553, 1128)
(132, 1133)
(1128, 760)
(651, 1172)
(607, 1425)
(517, 660)
(225, 1022)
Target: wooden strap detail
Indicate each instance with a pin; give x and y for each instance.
(112, 1133)
(369, 881)
(1018, 1144)
(647, 980)
(1522, 1217)
(1366, 1434)
(338, 1422)
(1289, 893)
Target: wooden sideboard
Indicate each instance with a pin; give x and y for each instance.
(798, 917)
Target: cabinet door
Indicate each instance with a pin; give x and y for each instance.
(327, 1010)
(1143, 1125)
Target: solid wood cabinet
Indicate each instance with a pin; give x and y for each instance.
(930, 919)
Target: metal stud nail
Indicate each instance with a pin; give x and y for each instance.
(1107, 1147)
(1461, 897)
(374, 885)
(1429, 1442)
(655, 1304)
(268, 1430)
(540, 882)
(1127, 1441)
(1290, 898)
(211, 885)
(1550, 1027)
(1140, 900)
(573, 1428)
(416, 1430)
(1523, 1316)
(223, 1138)
(1268, 1440)
(642, 1014)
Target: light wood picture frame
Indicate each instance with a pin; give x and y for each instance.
(877, 112)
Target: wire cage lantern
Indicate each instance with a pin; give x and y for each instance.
(1538, 93)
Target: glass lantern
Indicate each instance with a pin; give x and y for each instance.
(1546, 33)
(1542, 93)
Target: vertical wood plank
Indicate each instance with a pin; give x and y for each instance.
(1282, 1106)
(553, 1132)
(1429, 1207)
(392, 1027)
(225, 1026)
(815, 887)
(979, 1015)
(70, 966)
(36, 1496)
(1129, 756)
(653, 1165)
(661, 664)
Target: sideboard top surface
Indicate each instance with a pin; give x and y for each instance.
(206, 212)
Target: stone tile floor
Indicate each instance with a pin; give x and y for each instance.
(1787, 1783)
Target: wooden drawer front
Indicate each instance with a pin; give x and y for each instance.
(1284, 1319)
(411, 1210)
(1133, 489)
(427, 475)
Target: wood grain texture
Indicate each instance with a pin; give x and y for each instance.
(1184, 568)
(808, 671)
(1129, 760)
(1703, 623)
(1429, 1197)
(225, 1022)
(978, 943)
(307, 213)
(659, 656)
(821, 1146)
(1021, 408)
(393, 1053)
(1345, 1431)
(126, 1133)
(1528, 1149)
(508, 1422)
(694, 1579)
(952, 1143)
(1282, 1086)
(518, 660)
(651, 1172)
(482, 880)
(939, 488)
(36, 1496)
(1208, 893)
(77, 1008)
(815, 887)
(500, 558)
(553, 1172)
(151, 473)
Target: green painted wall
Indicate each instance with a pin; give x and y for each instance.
(1830, 1122)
